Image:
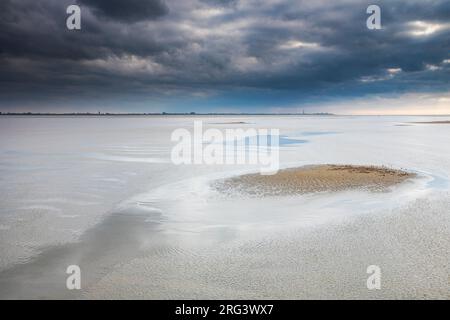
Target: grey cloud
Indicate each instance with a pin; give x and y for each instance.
(303, 48)
(220, 2)
(128, 11)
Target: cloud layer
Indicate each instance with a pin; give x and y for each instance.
(212, 55)
(131, 11)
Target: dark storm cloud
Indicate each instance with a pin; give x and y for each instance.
(38, 30)
(128, 11)
(152, 50)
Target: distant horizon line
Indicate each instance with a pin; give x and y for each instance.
(102, 114)
(154, 113)
(202, 114)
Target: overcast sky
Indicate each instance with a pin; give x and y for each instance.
(225, 56)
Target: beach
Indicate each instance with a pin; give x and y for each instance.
(351, 192)
(327, 262)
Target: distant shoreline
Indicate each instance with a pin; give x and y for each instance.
(162, 114)
(106, 114)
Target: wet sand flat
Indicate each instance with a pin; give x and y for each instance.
(328, 262)
(158, 231)
(310, 179)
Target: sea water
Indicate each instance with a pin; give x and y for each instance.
(84, 182)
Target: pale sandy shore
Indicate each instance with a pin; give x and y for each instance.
(127, 258)
(411, 247)
(310, 179)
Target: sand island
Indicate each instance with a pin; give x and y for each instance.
(317, 178)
